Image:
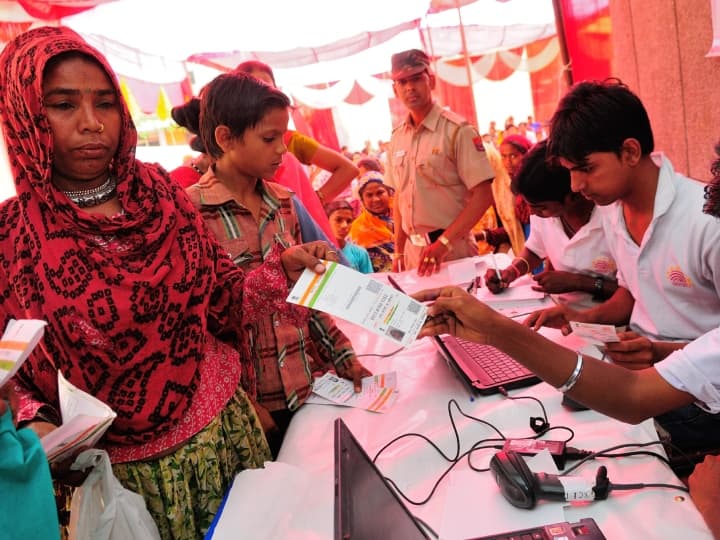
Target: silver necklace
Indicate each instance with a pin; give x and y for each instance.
(85, 198)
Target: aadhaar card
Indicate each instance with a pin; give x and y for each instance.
(17, 342)
(357, 298)
(595, 333)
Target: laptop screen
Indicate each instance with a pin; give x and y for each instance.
(366, 507)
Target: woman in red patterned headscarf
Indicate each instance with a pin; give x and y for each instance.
(111, 253)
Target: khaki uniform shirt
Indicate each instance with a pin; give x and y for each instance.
(432, 167)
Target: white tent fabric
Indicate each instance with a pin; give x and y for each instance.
(458, 76)
(178, 29)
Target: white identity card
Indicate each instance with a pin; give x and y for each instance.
(595, 333)
(359, 299)
(378, 392)
(17, 343)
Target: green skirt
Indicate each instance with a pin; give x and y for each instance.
(183, 490)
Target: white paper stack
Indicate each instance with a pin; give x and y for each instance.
(85, 420)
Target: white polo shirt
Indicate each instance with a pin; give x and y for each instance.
(587, 252)
(674, 274)
(696, 370)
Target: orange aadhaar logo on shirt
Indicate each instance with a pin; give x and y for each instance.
(678, 278)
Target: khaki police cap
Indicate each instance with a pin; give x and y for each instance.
(408, 63)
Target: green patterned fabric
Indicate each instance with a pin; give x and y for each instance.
(183, 490)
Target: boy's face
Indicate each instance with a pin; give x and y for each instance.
(545, 209)
(340, 221)
(258, 153)
(602, 177)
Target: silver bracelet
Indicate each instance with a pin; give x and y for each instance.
(574, 376)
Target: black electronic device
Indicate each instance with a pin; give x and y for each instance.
(366, 507)
(585, 529)
(523, 488)
(483, 368)
(530, 447)
(573, 405)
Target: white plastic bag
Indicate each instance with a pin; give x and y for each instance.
(102, 509)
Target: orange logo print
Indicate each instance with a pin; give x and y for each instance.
(678, 278)
(604, 265)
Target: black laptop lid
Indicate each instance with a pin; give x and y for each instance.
(366, 507)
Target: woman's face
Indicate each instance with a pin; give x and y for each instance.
(511, 157)
(375, 198)
(84, 114)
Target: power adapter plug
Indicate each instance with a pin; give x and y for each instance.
(530, 447)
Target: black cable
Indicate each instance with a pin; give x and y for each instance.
(435, 485)
(504, 392)
(603, 452)
(387, 355)
(455, 432)
(660, 457)
(427, 527)
(622, 487)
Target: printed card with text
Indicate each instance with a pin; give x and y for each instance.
(359, 299)
(595, 333)
(18, 341)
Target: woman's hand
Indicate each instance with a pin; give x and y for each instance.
(41, 428)
(7, 393)
(60, 470)
(633, 351)
(458, 313)
(296, 259)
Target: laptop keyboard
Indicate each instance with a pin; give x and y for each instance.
(498, 366)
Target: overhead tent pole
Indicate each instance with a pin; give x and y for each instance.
(468, 63)
(562, 40)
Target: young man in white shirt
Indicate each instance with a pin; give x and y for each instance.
(667, 251)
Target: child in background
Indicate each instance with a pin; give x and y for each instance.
(341, 217)
(242, 123)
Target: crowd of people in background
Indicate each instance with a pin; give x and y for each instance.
(164, 293)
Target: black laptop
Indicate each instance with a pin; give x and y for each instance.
(483, 368)
(366, 507)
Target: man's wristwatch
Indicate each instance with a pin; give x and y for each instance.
(598, 288)
(445, 241)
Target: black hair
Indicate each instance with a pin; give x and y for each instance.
(337, 204)
(187, 115)
(539, 180)
(238, 101)
(370, 163)
(598, 116)
(255, 65)
(712, 190)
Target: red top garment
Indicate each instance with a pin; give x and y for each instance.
(130, 300)
(185, 176)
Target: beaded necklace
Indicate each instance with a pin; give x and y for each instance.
(85, 198)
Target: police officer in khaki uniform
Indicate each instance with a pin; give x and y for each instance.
(437, 164)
